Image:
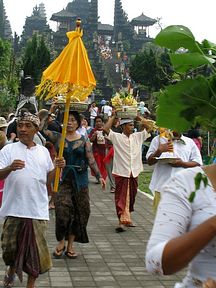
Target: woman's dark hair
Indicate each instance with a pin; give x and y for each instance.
(98, 117)
(77, 117)
(86, 119)
(193, 133)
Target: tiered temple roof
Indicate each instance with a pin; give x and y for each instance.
(143, 20)
(36, 23)
(105, 29)
(62, 15)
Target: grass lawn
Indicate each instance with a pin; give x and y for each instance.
(144, 179)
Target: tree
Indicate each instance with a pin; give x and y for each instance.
(193, 99)
(36, 58)
(8, 78)
(5, 53)
(5, 28)
(2, 18)
(151, 68)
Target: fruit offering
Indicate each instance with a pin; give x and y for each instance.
(75, 103)
(62, 99)
(123, 99)
(149, 124)
(166, 135)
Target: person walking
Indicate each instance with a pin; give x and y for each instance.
(27, 169)
(99, 145)
(72, 205)
(85, 124)
(106, 111)
(186, 155)
(82, 129)
(144, 111)
(93, 113)
(127, 164)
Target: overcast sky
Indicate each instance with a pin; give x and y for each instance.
(198, 16)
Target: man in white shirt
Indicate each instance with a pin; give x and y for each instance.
(106, 110)
(127, 164)
(184, 149)
(27, 169)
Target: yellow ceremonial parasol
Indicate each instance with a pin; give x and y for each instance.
(69, 75)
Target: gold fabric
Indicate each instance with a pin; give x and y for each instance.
(70, 73)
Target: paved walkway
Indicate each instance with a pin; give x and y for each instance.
(110, 259)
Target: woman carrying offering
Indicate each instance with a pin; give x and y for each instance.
(72, 207)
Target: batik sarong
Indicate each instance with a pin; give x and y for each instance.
(24, 246)
(125, 193)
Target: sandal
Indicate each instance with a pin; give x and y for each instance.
(130, 225)
(58, 253)
(119, 229)
(9, 280)
(71, 255)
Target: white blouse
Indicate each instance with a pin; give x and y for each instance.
(176, 216)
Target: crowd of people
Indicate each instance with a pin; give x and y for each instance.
(110, 149)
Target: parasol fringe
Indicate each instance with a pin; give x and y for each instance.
(48, 89)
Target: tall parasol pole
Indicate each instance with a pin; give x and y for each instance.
(61, 145)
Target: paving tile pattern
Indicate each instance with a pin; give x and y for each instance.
(110, 259)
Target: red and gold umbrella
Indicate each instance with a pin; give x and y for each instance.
(69, 75)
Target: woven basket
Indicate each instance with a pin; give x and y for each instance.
(79, 106)
(126, 112)
(75, 106)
